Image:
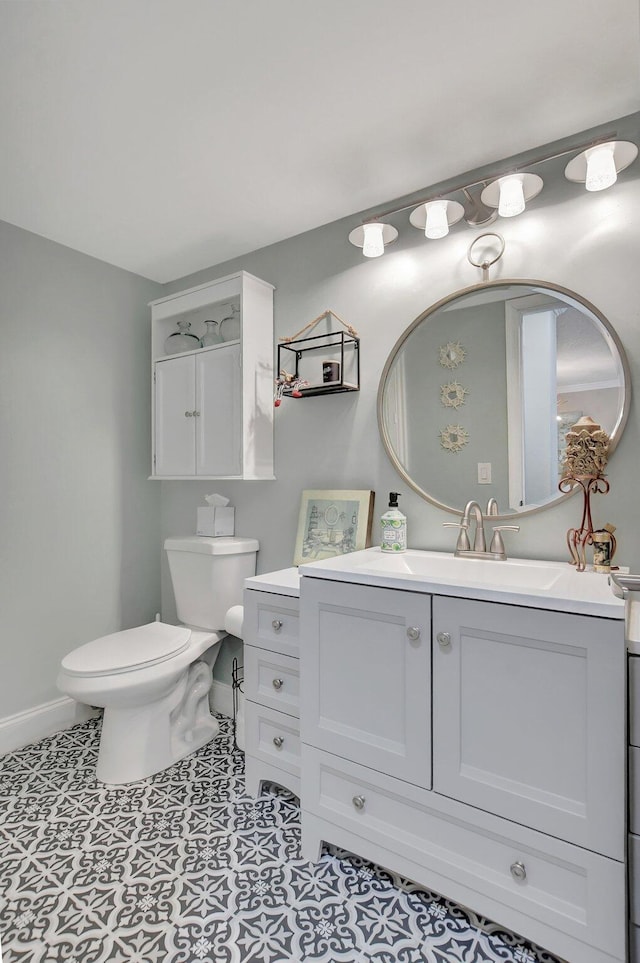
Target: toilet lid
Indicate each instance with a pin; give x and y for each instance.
(145, 645)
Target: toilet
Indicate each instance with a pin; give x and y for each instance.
(153, 681)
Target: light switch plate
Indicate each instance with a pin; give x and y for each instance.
(484, 472)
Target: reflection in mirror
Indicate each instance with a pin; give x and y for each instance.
(530, 360)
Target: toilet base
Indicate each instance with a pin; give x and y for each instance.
(140, 741)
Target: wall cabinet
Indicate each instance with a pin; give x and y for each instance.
(514, 805)
(198, 414)
(213, 407)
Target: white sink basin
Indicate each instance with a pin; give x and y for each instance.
(532, 582)
(515, 573)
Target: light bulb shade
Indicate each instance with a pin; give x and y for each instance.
(436, 224)
(511, 192)
(373, 237)
(601, 168)
(373, 244)
(511, 200)
(436, 217)
(598, 167)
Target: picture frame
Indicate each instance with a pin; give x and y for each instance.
(332, 523)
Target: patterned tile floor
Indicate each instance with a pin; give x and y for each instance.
(185, 868)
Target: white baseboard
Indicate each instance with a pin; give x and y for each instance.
(41, 721)
(44, 720)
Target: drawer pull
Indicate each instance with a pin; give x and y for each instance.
(444, 639)
(276, 625)
(518, 871)
(413, 633)
(278, 741)
(358, 802)
(277, 683)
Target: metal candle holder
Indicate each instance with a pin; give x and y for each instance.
(579, 538)
(584, 464)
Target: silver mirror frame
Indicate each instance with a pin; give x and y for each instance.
(502, 282)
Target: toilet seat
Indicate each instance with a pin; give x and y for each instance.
(142, 647)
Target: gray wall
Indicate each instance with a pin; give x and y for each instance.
(79, 521)
(587, 243)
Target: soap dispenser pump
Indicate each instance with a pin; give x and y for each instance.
(394, 527)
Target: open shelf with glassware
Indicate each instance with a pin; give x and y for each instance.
(306, 362)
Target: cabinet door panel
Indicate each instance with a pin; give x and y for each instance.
(529, 718)
(365, 683)
(218, 425)
(174, 429)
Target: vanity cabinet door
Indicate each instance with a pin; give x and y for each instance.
(366, 676)
(529, 718)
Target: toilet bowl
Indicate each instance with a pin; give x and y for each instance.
(153, 681)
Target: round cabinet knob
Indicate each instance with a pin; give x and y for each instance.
(358, 802)
(196, 414)
(188, 414)
(277, 683)
(518, 870)
(278, 741)
(444, 639)
(276, 625)
(413, 633)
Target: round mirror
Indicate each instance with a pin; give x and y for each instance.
(478, 394)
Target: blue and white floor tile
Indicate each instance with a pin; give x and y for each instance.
(185, 868)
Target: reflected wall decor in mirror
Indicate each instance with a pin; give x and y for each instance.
(536, 358)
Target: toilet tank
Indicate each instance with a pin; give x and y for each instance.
(208, 576)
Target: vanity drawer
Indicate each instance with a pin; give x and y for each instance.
(273, 737)
(566, 888)
(271, 622)
(272, 679)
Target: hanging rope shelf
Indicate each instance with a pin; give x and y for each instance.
(322, 363)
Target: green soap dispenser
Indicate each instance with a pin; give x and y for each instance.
(394, 527)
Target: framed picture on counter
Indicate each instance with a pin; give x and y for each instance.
(333, 523)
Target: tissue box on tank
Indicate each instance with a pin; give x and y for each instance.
(216, 521)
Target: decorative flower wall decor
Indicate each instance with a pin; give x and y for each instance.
(452, 394)
(453, 438)
(452, 354)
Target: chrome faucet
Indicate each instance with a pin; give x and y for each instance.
(479, 550)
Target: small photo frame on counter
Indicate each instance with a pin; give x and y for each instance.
(332, 523)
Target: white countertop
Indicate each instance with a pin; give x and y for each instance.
(286, 581)
(536, 584)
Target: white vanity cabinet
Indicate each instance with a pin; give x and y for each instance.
(634, 803)
(271, 681)
(514, 805)
(213, 406)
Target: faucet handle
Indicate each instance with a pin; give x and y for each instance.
(497, 544)
(463, 544)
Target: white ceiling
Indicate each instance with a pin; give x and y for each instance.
(164, 136)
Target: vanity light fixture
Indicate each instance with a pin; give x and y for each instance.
(436, 217)
(504, 194)
(511, 193)
(373, 237)
(598, 167)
